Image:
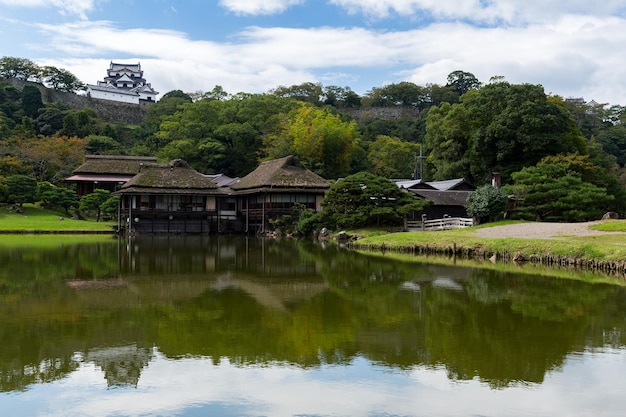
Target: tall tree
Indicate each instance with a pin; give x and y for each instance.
(500, 127)
(392, 157)
(322, 140)
(20, 68)
(61, 79)
(462, 82)
(31, 101)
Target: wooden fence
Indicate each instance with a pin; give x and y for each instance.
(446, 223)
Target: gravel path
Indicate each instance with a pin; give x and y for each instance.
(537, 230)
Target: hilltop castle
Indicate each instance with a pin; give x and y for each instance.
(124, 83)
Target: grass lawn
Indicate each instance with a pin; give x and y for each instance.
(606, 247)
(41, 220)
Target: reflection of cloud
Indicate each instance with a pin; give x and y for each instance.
(589, 383)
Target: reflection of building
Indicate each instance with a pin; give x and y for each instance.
(121, 365)
(125, 83)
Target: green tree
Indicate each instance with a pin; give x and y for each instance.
(61, 79)
(487, 203)
(554, 191)
(365, 199)
(462, 82)
(405, 94)
(322, 140)
(21, 189)
(392, 157)
(20, 68)
(102, 145)
(55, 197)
(307, 92)
(31, 101)
(110, 207)
(499, 127)
(93, 202)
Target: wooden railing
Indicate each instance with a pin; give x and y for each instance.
(446, 223)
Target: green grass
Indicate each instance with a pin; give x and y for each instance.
(610, 226)
(42, 220)
(608, 248)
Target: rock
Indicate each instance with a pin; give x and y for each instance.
(61, 218)
(518, 257)
(611, 215)
(493, 258)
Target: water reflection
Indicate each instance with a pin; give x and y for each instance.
(146, 313)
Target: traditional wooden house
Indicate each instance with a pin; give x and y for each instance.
(106, 172)
(170, 198)
(271, 190)
(449, 197)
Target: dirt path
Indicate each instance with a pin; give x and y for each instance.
(538, 230)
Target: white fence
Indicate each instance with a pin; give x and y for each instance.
(446, 223)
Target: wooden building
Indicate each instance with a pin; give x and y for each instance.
(449, 197)
(170, 198)
(107, 172)
(271, 190)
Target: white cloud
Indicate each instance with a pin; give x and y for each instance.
(257, 7)
(572, 56)
(509, 11)
(71, 7)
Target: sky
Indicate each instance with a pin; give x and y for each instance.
(574, 48)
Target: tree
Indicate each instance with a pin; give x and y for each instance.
(31, 101)
(551, 191)
(61, 79)
(21, 189)
(94, 202)
(365, 199)
(101, 145)
(391, 157)
(19, 68)
(500, 127)
(486, 203)
(322, 140)
(307, 92)
(54, 197)
(110, 207)
(462, 82)
(405, 94)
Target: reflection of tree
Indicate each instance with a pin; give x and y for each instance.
(257, 301)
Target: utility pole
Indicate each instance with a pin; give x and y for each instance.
(418, 172)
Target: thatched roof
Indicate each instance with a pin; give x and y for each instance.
(113, 164)
(175, 177)
(285, 173)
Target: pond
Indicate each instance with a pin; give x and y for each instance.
(236, 326)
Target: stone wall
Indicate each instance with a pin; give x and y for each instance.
(384, 113)
(109, 111)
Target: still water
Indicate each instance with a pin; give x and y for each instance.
(234, 326)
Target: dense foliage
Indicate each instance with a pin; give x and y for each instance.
(364, 199)
(462, 129)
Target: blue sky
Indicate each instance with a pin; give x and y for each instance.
(573, 48)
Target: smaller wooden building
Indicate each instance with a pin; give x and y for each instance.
(271, 191)
(107, 172)
(449, 197)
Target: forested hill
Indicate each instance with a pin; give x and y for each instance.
(461, 129)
